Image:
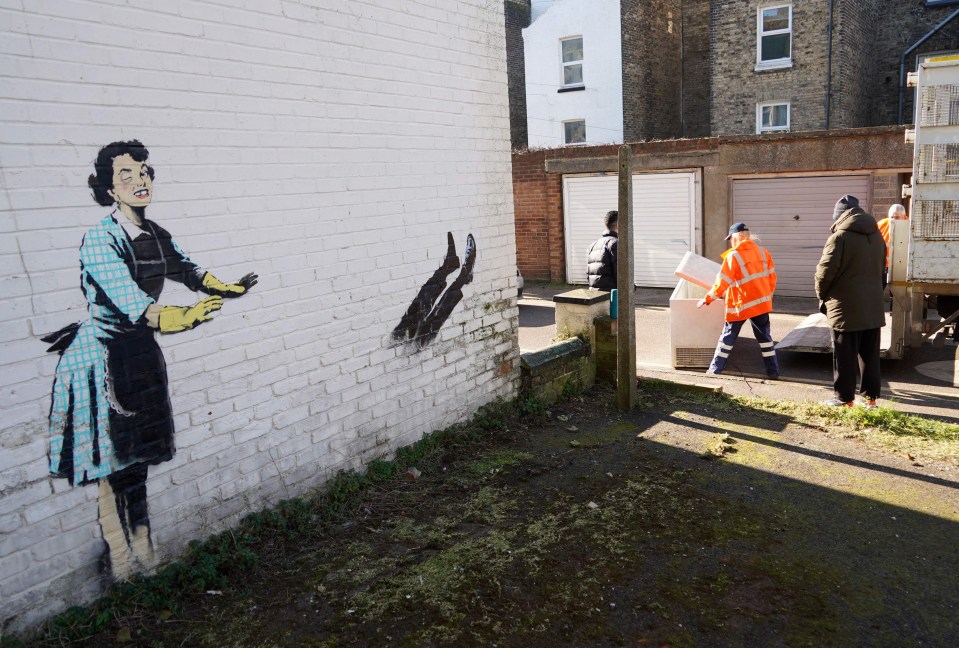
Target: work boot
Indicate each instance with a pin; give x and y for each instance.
(835, 402)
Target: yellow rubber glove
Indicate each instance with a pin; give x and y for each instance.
(174, 319)
(213, 286)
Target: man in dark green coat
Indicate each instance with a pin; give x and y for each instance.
(849, 287)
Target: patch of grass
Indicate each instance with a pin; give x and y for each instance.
(494, 462)
(437, 586)
(438, 533)
(662, 394)
(883, 427)
(490, 506)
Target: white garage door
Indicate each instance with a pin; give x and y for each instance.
(792, 216)
(664, 220)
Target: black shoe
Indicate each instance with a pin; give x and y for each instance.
(451, 260)
(466, 274)
(773, 376)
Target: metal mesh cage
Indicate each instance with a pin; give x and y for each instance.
(936, 219)
(938, 163)
(939, 105)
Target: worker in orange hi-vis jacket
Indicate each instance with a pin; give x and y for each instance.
(896, 212)
(747, 281)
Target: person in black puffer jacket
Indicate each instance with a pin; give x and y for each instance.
(601, 258)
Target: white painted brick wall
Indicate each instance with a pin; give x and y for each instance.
(328, 146)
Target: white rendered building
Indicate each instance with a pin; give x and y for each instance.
(574, 83)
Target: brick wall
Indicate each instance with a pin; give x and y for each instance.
(903, 23)
(737, 87)
(327, 148)
(696, 81)
(517, 18)
(887, 191)
(854, 64)
(651, 40)
(869, 37)
(537, 201)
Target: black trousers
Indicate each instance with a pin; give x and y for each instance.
(852, 353)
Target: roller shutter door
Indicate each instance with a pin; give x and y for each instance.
(792, 216)
(664, 217)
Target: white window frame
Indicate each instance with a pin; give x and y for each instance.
(773, 64)
(570, 121)
(563, 64)
(773, 129)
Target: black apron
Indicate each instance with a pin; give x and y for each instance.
(141, 419)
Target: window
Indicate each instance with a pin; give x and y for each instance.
(772, 117)
(572, 55)
(774, 35)
(574, 131)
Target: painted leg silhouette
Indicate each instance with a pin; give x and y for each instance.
(424, 301)
(431, 325)
(422, 320)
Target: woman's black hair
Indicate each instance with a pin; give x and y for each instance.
(102, 181)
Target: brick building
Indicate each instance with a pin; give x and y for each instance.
(695, 68)
(801, 68)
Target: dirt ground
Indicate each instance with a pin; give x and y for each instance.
(693, 521)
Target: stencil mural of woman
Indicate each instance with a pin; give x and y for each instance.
(110, 417)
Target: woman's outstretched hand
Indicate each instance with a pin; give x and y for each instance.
(247, 281)
(213, 286)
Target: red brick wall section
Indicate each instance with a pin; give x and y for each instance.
(887, 191)
(530, 208)
(554, 222)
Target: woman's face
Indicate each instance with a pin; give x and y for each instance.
(132, 184)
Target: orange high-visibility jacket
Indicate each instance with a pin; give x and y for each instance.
(884, 231)
(748, 280)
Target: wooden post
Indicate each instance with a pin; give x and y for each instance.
(626, 337)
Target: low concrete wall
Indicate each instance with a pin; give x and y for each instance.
(548, 372)
(572, 361)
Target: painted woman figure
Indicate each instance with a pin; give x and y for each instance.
(110, 417)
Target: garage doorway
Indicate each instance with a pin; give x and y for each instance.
(792, 216)
(666, 222)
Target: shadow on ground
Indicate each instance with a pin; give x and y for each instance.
(694, 521)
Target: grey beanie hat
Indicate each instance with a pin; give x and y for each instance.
(844, 203)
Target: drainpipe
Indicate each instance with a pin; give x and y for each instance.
(902, 61)
(829, 63)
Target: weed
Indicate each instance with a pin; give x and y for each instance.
(495, 462)
(532, 406)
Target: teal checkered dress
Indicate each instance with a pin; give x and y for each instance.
(111, 406)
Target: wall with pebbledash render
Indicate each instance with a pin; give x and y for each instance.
(328, 147)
